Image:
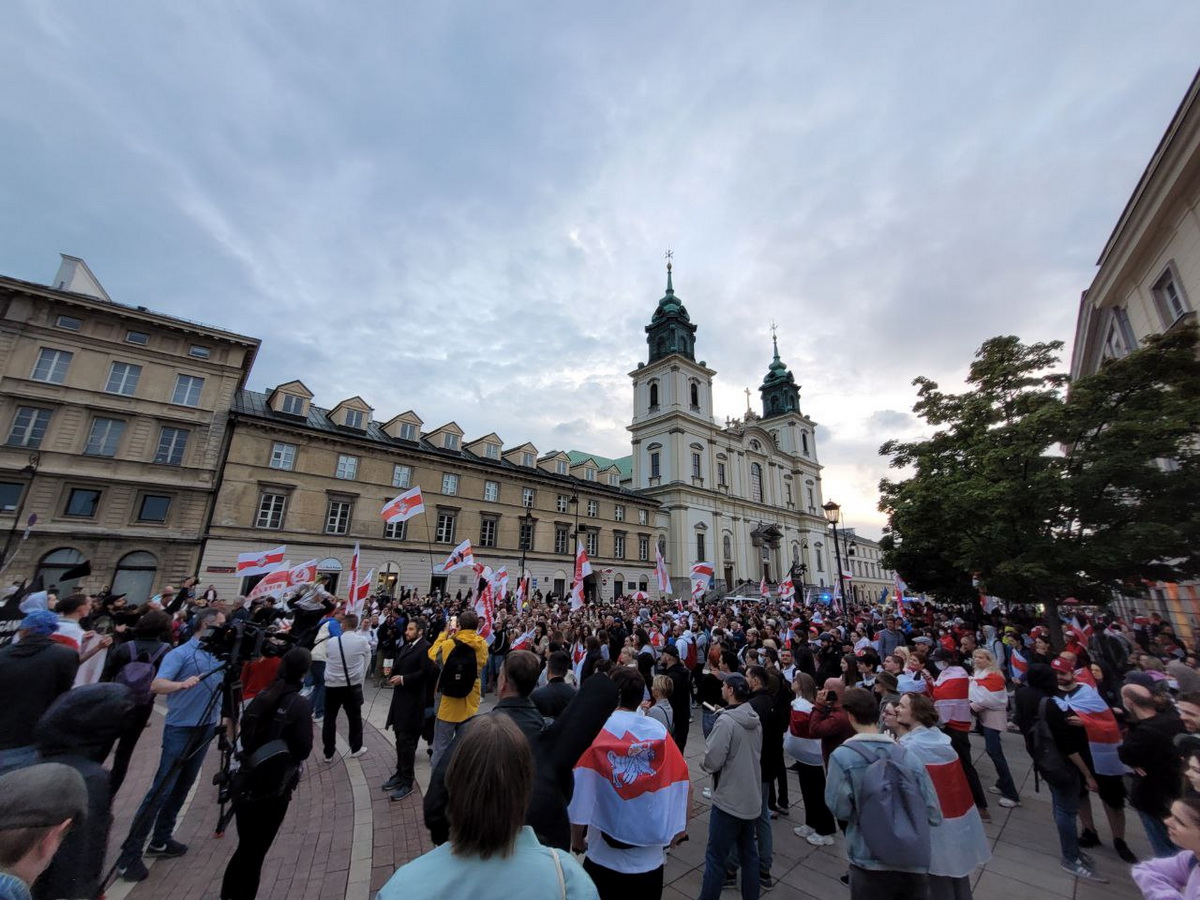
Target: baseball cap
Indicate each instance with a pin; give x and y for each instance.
(671, 650)
(40, 622)
(41, 795)
(1059, 664)
(738, 684)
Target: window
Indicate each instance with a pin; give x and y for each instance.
(695, 395)
(561, 502)
(525, 536)
(1171, 302)
(401, 476)
(283, 456)
(83, 503)
(450, 441)
(561, 467)
(408, 432)
(614, 479)
(395, 531)
(721, 474)
(653, 395)
(347, 467)
(787, 488)
(199, 352)
(29, 427)
(527, 459)
(756, 485)
(52, 365)
(592, 543)
(449, 484)
(593, 509)
(527, 496)
(137, 337)
(172, 443)
(293, 405)
(812, 502)
(655, 465)
(589, 474)
(187, 390)
(696, 463)
(701, 550)
(154, 508)
(69, 322)
(487, 532)
(104, 437)
(270, 510)
(337, 517)
(643, 547)
(820, 560)
(619, 545)
(804, 441)
(619, 512)
(123, 379)
(561, 539)
(491, 491)
(643, 517)
(727, 547)
(491, 451)
(354, 419)
(10, 495)
(445, 528)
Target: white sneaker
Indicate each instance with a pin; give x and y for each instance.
(802, 831)
(1080, 869)
(993, 790)
(1009, 804)
(355, 754)
(820, 840)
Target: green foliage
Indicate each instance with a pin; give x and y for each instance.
(1047, 489)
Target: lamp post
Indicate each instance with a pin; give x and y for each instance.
(29, 470)
(832, 514)
(526, 529)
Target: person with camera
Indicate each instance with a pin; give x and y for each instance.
(277, 736)
(348, 654)
(190, 679)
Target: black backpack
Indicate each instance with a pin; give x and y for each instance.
(269, 771)
(459, 672)
(1048, 761)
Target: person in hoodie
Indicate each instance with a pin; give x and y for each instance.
(34, 671)
(732, 753)
(1175, 877)
(78, 730)
(453, 711)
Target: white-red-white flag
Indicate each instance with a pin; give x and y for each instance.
(352, 589)
(359, 595)
(284, 579)
(763, 590)
(462, 555)
(260, 562)
(404, 507)
(787, 589)
(583, 568)
(660, 571)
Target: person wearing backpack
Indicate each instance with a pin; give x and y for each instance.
(135, 665)
(1057, 750)
(462, 654)
(887, 801)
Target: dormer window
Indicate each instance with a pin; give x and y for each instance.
(614, 479)
(450, 441)
(491, 451)
(292, 405)
(408, 432)
(561, 467)
(589, 474)
(354, 419)
(527, 459)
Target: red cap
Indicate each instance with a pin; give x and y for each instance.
(1062, 665)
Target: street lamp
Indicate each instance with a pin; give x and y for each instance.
(833, 512)
(526, 538)
(29, 471)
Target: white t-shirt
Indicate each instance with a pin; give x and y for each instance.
(358, 654)
(631, 861)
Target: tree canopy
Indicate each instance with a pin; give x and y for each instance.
(1045, 489)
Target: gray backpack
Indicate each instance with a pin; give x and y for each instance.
(891, 810)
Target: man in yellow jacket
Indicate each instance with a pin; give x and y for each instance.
(453, 711)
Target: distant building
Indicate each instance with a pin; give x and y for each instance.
(1148, 283)
(114, 425)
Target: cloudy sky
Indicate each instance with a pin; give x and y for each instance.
(462, 208)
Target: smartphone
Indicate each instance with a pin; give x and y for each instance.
(831, 696)
(710, 707)
(454, 622)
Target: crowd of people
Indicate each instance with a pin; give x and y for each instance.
(575, 778)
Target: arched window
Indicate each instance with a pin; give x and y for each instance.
(135, 576)
(727, 547)
(756, 485)
(695, 392)
(804, 441)
(56, 562)
(653, 394)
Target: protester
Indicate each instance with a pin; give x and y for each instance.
(660, 702)
(818, 828)
(951, 696)
(1175, 877)
(554, 696)
(135, 664)
(771, 764)
(453, 710)
(412, 678)
(349, 655)
(34, 671)
(490, 853)
(681, 694)
(988, 697)
(38, 806)
(1149, 750)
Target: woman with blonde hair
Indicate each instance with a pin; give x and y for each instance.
(491, 852)
(660, 696)
(818, 828)
(989, 701)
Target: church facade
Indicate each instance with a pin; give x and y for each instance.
(745, 495)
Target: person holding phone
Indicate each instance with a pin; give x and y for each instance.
(829, 721)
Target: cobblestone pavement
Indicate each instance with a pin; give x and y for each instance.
(343, 838)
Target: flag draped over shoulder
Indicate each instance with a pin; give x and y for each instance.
(1103, 732)
(1018, 665)
(632, 783)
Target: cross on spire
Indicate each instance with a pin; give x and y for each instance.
(774, 339)
(747, 399)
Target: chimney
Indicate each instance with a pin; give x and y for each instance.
(75, 276)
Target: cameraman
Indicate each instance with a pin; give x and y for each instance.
(193, 708)
(264, 791)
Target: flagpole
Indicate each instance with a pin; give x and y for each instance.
(429, 546)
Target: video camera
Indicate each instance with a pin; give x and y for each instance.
(240, 642)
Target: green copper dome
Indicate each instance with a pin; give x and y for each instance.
(670, 329)
(780, 393)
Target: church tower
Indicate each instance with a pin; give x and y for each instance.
(780, 393)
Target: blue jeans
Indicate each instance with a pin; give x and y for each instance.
(1065, 804)
(491, 671)
(995, 752)
(1156, 831)
(170, 787)
(17, 758)
(762, 833)
(724, 833)
(317, 699)
(707, 721)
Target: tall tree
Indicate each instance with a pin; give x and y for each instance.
(1045, 489)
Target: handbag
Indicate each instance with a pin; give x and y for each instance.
(356, 690)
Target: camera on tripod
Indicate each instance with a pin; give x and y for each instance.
(241, 642)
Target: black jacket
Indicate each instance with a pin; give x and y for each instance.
(552, 698)
(32, 674)
(296, 730)
(763, 703)
(407, 712)
(1149, 745)
(78, 730)
(681, 699)
(557, 746)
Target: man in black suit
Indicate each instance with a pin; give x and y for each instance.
(552, 698)
(412, 675)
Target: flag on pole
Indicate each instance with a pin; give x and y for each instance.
(283, 579)
(988, 604)
(808, 597)
(524, 641)
(260, 562)
(353, 589)
(900, 588)
(837, 599)
(763, 590)
(883, 594)
(583, 568)
(522, 592)
(359, 595)
(462, 555)
(404, 507)
(660, 571)
(787, 589)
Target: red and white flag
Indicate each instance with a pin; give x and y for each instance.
(632, 782)
(660, 571)
(260, 562)
(763, 590)
(900, 588)
(462, 555)
(351, 591)
(787, 589)
(950, 695)
(524, 641)
(404, 507)
(359, 595)
(988, 604)
(285, 579)
(522, 593)
(1103, 732)
(583, 568)
(1018, 664)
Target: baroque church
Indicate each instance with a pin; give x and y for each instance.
(745, 495)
